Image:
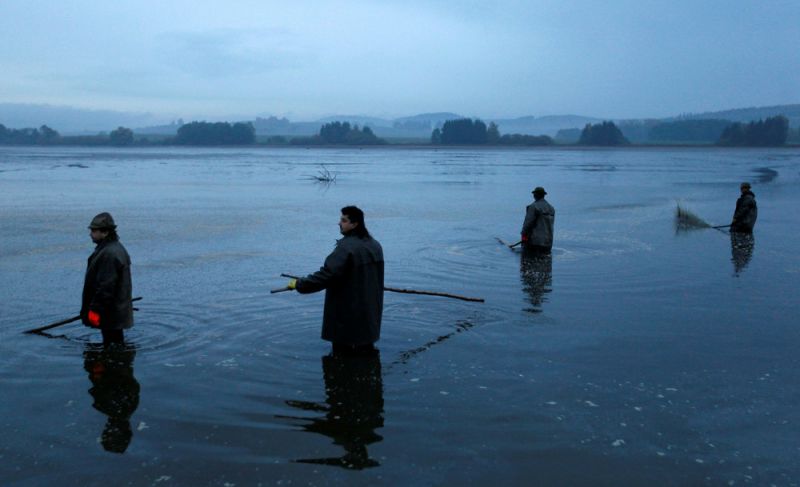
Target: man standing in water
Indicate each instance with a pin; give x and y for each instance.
(107, 287)
(537, 229)
(352, 277)
(744, 217)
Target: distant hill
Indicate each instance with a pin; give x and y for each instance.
(77, 121)
(792, 112)
(71, 120)
(432, 119)
(549, 125)
(168, 129)
(360, 120)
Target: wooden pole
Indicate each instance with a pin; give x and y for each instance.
(511, 246)
(396, 290)
(63, 322)
(433, 293)
(53, 325)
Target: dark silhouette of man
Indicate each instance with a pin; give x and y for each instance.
(746, 212)
(106, 303)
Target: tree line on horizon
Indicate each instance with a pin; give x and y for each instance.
(340, 133)
(466, 131)
(45, 135)
(772, 132)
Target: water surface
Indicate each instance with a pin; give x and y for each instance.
(636, 355)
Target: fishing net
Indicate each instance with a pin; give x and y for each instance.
(686, 219)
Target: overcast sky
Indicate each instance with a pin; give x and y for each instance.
(303, 60)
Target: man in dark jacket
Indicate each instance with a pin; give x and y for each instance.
(744, 217)
(352, 277)
(537, 229)
(107, 287)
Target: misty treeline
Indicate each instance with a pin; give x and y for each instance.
(771, 132)
(244, 133)
(45, 135)
(216, 133)
(195, 134)
(605, 134)
(774, 131)
(466, 131)
(340, 133)
(764, 133)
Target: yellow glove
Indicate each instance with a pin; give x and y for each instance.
(292, 284)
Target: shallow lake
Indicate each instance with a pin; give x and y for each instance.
(639, 354)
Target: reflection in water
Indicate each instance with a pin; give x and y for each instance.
(115, 391)
(353, 409)
(766, 174)
(536, 273)
(742, 245)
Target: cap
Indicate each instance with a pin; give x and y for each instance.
(539, 190)
(745, 185)
(103, 221)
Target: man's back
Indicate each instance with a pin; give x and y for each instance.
(353, 279)
(539, 221)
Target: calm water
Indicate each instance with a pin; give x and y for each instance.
(637, 355)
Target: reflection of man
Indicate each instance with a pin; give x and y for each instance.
(744, 217)
(353, 409)
(742, 245)
(106, 300)
(353, 279)
(537, 229)
(115, 392)
(536, 272)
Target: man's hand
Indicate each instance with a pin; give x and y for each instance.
(94, 319)
(292, 284)
(524, 238)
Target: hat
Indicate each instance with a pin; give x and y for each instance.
(103, 221)
(745, 185)
(539, 190)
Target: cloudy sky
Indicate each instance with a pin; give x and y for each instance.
(308, 59)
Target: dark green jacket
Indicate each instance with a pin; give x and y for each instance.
(352, 277)
(744, 217)
(107, 286)
(540, 217)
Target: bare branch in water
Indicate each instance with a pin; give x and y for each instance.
(323, 176)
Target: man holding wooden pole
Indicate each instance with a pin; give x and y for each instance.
(746, 212)
(106, 302)
(352, 277)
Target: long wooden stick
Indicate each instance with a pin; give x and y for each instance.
(433, 293)
(404, 291)
(63, 322)
(53, 325)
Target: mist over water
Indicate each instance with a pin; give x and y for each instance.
(638, 353)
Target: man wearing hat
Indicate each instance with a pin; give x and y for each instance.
(744, 217)
(537, 229)
(107, 287)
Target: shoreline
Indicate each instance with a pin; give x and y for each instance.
(574, 147)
